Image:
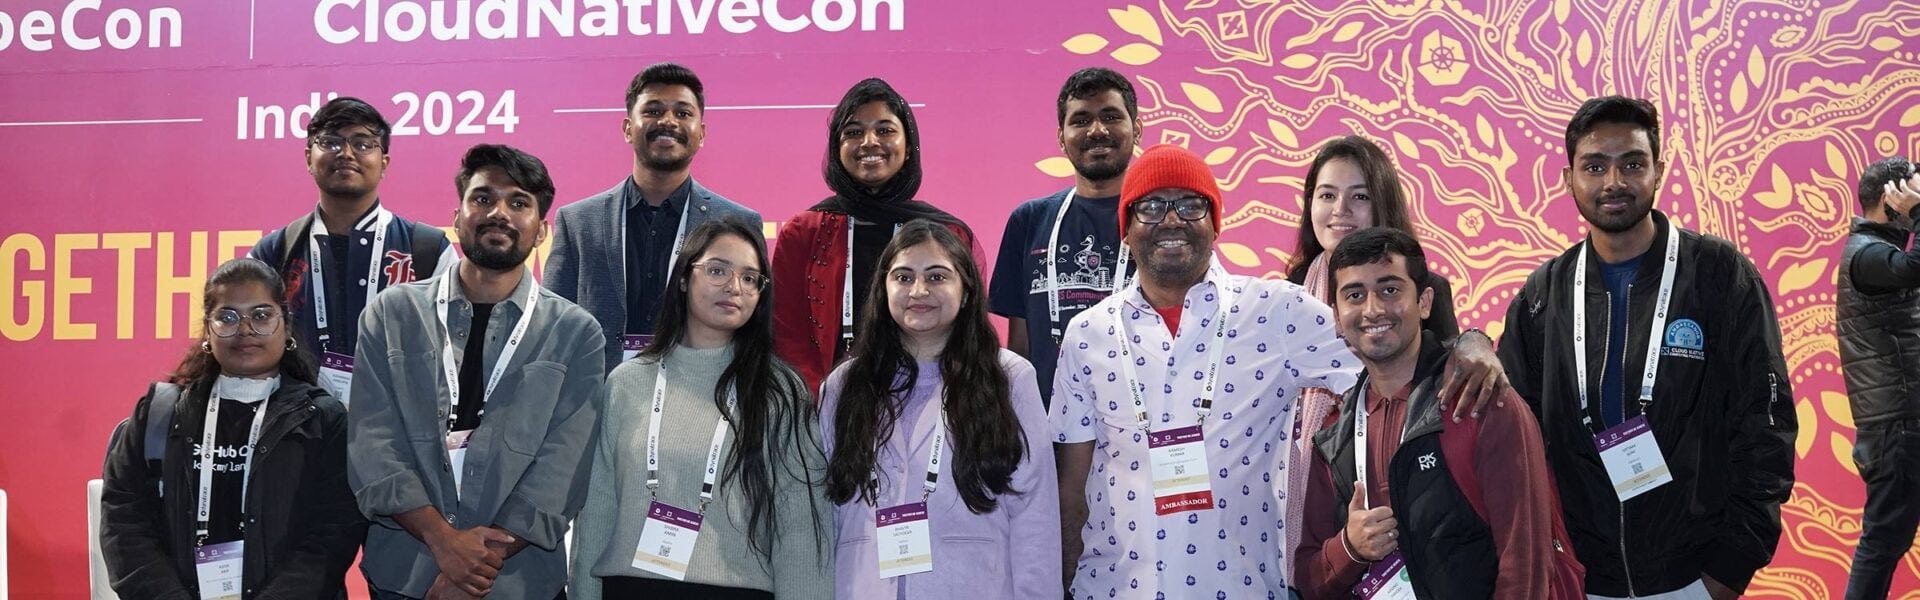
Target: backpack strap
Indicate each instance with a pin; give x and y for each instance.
(295, 232)
(426, 249)
(1459, 450)
(166, 397)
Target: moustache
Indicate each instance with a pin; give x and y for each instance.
(677, 135)
(510, 232)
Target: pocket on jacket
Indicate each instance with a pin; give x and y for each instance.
(416, 394)
(535, 393)
(975, 552)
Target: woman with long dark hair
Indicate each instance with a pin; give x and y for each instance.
(939, 455)
(1350, 186)
(230, 478)
(704, 481)
(873, 168)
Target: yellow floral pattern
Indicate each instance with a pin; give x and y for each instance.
(1770, 111)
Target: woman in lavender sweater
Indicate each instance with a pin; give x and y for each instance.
(980, 519)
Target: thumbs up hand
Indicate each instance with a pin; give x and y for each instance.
(1370, 533)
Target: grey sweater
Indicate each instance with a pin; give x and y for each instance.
(608, 529)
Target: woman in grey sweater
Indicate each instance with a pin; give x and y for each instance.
(683, 503)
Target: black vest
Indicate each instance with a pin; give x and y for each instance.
(1879, 337)
(1447, 546)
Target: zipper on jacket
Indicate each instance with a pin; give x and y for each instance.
(1773, 395)
(1625, 564)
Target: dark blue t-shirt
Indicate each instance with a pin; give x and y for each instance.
(1085, 258)
(1613, 387)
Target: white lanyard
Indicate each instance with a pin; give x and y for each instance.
(1360, 451)
(846, 291)
(314, 259)
(1053, 270)
(204, 512)
(679, 238)
(1654, 336)
(1225, 297)
(451, 370)
(653, 440)
(933, 456)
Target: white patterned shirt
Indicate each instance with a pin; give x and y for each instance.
(1279, 340)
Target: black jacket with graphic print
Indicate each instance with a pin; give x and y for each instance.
(1722, 412)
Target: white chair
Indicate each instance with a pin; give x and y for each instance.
(96, 564)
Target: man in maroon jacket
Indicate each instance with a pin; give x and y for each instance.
(1398, 504)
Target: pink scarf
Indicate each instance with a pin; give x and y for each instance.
(1311, 412)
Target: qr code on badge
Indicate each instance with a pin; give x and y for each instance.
(1637, 468)
(1179, 469)
(664, 550)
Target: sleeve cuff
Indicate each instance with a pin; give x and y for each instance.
(538, 527)
(391, 495)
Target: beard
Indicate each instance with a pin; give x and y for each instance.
(663, 160)
(1190, 267)
(492, 258)
(1637, 210)
(1114, 166)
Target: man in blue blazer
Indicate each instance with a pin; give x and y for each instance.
(612, 251)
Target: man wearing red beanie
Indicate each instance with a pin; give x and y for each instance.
(1181, 379)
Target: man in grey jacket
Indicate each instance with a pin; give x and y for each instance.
(611, 251)
(475, 400)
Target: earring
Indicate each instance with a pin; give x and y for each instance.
(291, 345)
(206, 346)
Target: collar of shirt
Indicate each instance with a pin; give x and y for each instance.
(635, 200)
(364, 223)
(458, 296)
(1135, 297)
(1377, 400)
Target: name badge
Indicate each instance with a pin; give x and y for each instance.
(633, 343)
(905, 543)
(1386, 580)
(336, 374)
(218, 568)
(1633, 458)
(457, 454)
(666, 541)
(1179, 470)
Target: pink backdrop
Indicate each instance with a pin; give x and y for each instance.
(134, 171)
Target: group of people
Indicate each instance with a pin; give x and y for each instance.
(1154, 426)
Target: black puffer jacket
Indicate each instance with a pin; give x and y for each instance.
(1879, 332)
(303, 529)
(1722, 412)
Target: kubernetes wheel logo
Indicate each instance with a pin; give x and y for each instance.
(1686, 340)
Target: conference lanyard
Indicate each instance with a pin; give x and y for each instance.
(1134, 387)
(846, 291)
(1654, 336)
(679, 239)
(319, 284)
(933, 456)
(451, 370)
(1360, 450)
(204, 513)
(1053, 270)
(653, 441)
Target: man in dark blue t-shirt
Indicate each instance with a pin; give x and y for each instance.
(1062, 254)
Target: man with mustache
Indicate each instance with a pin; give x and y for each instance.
(611, 251)
(1651, 356)
(1182, 381)
(478, 395)
(1061, 254)
(350, 247)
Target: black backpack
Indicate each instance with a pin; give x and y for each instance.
(166, 398)
(426, 246)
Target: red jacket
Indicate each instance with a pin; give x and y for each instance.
(810, 262)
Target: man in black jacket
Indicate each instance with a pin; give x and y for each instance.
(1657, 377)
(1878, 314)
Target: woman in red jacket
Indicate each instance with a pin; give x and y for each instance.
(873, 168)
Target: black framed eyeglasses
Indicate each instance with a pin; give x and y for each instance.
(333, 144)
(1152, 211)
(262, 321)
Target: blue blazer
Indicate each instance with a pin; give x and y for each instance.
(586, 263)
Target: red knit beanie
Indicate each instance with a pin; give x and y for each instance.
(1168, 166)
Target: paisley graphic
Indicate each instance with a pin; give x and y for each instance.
(1770, 111)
